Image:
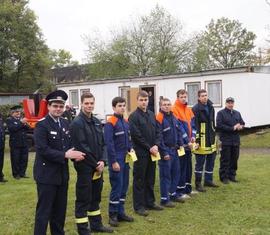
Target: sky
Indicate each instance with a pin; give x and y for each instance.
(64, 23)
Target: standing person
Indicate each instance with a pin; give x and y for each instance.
(205, 138)
(145, 137)
(68, 114)
(171, 141)
(2, 149)
(18, 127)
(151, 102)
(118, 142)
(186, 117)
(87, 136)
(53, 149)
(229, 123)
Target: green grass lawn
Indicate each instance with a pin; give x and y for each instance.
(242, 208)
(256, 141)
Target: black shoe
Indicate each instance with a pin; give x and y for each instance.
(210, 184)
(125, 218)
(233, 180)
(225, 181)
(25, 176)
(178, 199)
(3, 180)
(200, 188)
(142, 212)
(155, 208)
(113, 221)
(168, 204)
(102, 229)
(17, 177)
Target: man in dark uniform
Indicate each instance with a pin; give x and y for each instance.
(229, 123)
(18, 127)
(205, 139)
(87, 136)
(53, 149)
(2, 149)
(68, 114)
(145, 137)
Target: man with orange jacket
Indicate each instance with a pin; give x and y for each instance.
(186, 117)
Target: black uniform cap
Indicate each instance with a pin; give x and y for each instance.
(58, 96)
(16, 108)
(229, 99)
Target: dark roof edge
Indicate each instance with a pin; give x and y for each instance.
(171, 76)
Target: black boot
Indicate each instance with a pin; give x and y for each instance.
(83, 229)
(113, 220)
(198, 185)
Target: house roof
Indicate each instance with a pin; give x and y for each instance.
(245, 69)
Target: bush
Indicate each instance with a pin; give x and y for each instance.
(5, 110)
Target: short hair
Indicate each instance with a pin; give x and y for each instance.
(86, 95)
(163, 100)
(181, 92)
(117, 100)
(201, 91)
(142, 93)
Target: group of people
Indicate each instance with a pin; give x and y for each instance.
(168, 138)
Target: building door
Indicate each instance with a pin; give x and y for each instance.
(150, 89)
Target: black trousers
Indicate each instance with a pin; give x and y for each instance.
(19, 160)
(88, 198)
(228, 161)
(1, 162)
(51, 208)
(144, 173)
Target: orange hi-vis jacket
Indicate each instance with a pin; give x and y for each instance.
(185, 115)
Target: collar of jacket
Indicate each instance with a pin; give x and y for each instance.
(142, 112)
(180, 105)
(229, 110)
(81, 114)
(202, 106)
(118, 116)
(166, 114)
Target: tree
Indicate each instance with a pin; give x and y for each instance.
(24, 58)
(152, 44)
(228, 43)
(61, 58)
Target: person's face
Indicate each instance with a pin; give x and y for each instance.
(120, 108)
(142, 102)
(203, 98)
(88, 105)
(56, 109)
(166, 106)
(183, 98)
(150, 93)
(229, 105)
(16, 114)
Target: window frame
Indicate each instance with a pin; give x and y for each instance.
(128, 103)
(192, 83)
(70, 97)
(218, 105)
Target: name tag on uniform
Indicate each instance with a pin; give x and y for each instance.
(155, 157)
(53, 132)
(131, 157)
(181, 152)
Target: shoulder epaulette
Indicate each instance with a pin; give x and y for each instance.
(113, 120)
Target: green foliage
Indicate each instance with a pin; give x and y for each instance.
(5, 111)
(61, 58)
(24, 58)
(151, 45)
(228, 44)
